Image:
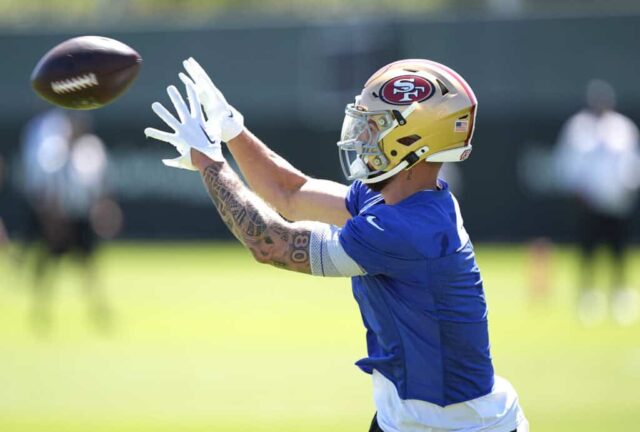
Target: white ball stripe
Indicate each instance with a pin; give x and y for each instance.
(74, 84)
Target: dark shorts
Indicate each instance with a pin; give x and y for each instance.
(83, 239)
(73, 236)
(374, 424)
(598, 228)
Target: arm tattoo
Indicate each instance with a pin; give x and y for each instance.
(266, 234)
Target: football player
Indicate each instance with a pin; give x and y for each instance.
(396, 231)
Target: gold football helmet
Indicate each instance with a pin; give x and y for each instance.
(408, 111)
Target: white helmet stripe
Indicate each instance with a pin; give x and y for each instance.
(451, 155)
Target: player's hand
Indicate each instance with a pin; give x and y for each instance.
(218, 110)
(188, 129)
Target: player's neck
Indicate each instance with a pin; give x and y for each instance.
(423, 176)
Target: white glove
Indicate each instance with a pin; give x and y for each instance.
(188, 132)
(219, 112)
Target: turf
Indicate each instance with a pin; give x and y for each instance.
(207, 340)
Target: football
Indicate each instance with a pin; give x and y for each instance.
(85, 72)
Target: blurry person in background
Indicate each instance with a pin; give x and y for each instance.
(64, 181)
(598, 164)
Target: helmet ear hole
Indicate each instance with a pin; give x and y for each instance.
(409, 139)
(443, 88)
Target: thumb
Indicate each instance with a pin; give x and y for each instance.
(182, 162)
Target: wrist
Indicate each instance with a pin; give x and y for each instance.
(239, 139)
(232, 125)
(202, 161)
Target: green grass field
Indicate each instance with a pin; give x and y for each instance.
(207, 340)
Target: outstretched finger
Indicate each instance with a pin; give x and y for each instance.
(193, 73)
(189, 82)
(165, 115)
(185, 79)
(179, 162)
(178, 103)
(174, 163)
(194, 103)
(195, 70)
(198, 74)
(160, 135)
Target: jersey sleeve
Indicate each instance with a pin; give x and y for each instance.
(327, 256)
(352, 200)
(360, 198)
(378, 243)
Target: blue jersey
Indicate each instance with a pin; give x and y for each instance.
(421, 300)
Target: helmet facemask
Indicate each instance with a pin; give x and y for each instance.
(361, 157)
(360, 154)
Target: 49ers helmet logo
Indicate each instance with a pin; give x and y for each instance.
(406, 89)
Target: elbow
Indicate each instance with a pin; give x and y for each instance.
(289, 212)
(289, 206)
(261, 256)
(292, 205)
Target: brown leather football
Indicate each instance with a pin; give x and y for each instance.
(85, 72)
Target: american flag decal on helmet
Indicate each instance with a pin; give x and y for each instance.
(461, 126)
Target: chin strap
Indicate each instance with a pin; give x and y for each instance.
(410, 160)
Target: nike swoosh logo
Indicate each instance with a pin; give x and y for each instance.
(230, 114)
(371, 220)
(207, 135)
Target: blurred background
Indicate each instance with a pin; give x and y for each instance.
(125, 306)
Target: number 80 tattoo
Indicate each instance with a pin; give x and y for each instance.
(300, 251)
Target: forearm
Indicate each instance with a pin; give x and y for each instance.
(268, 236)
(267, 173)
(292, 193)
